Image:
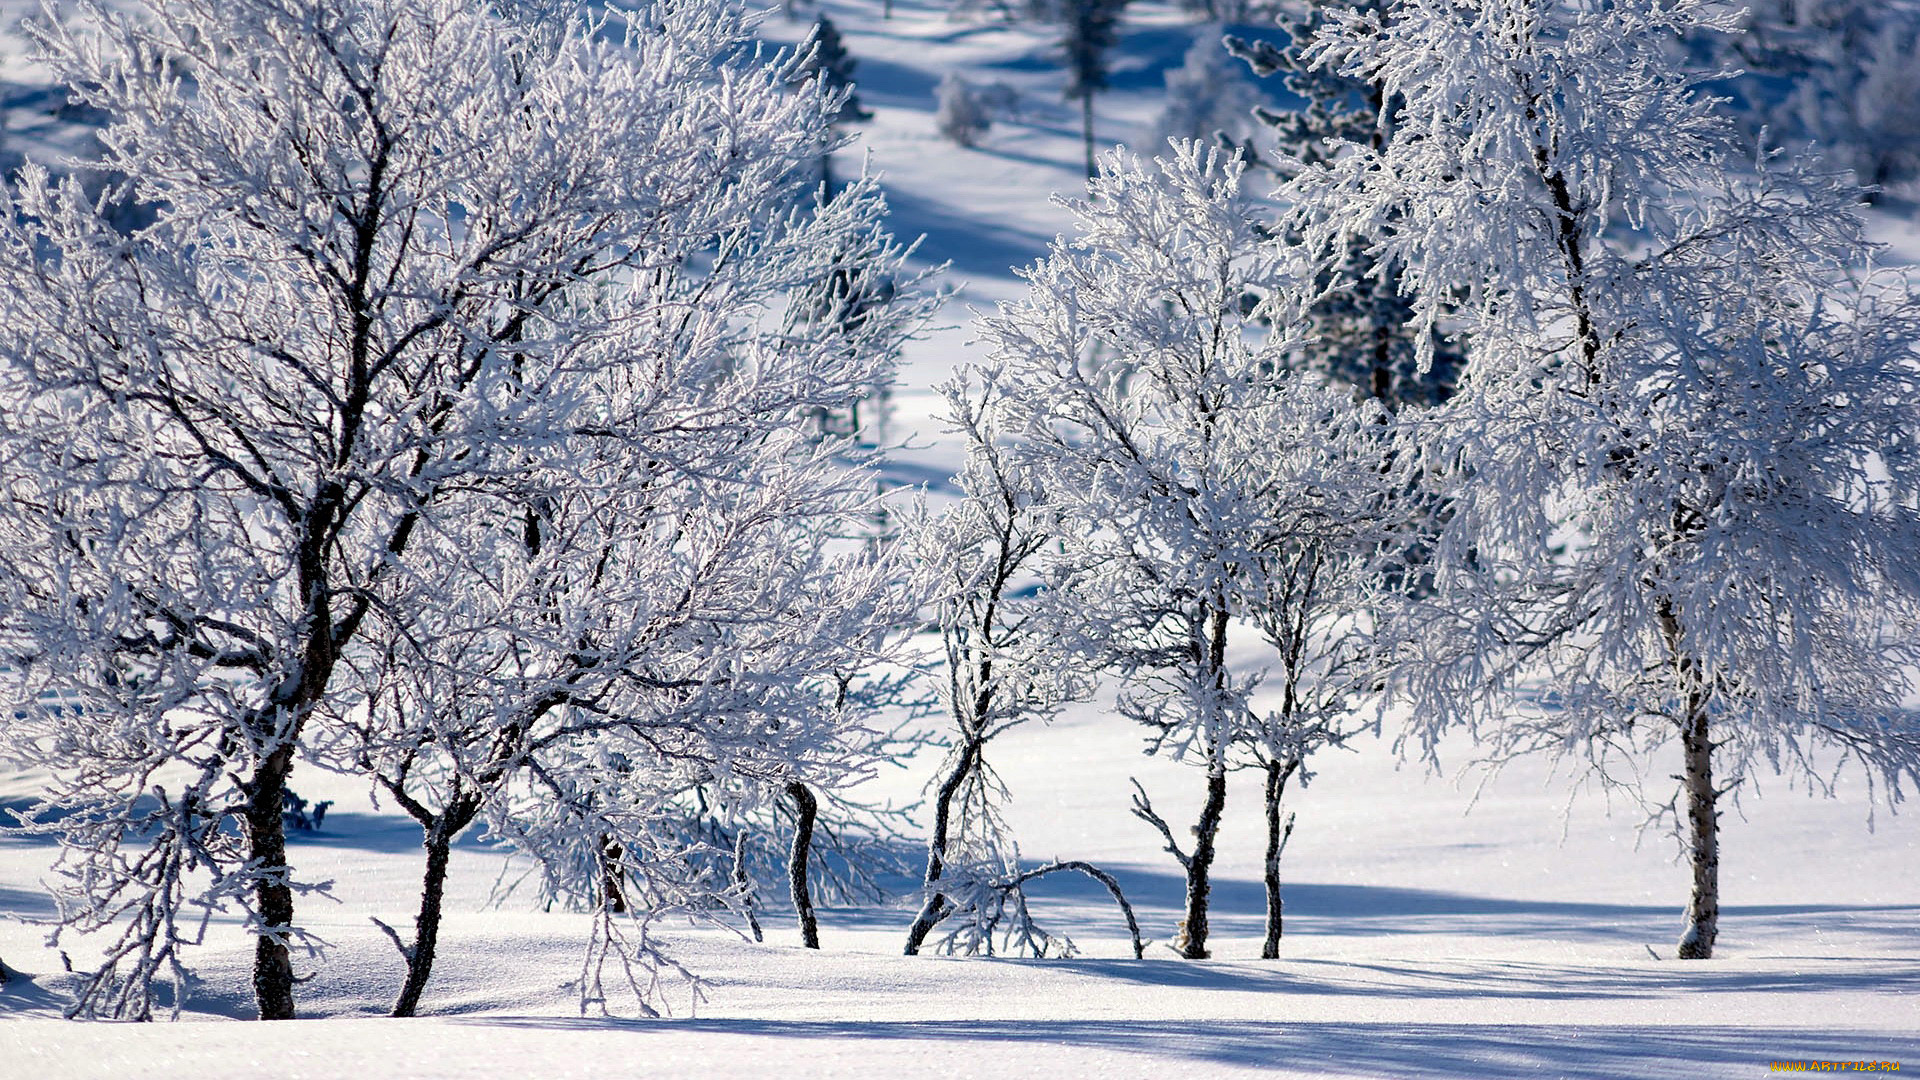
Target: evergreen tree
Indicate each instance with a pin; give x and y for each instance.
(1363, 329)
(830, 64)
(1088, 29)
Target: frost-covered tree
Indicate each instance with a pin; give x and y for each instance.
(1167, 441)
(1686, 435)
(1345, 488)
(1207, 95)
(1000, 673)
(959, 113)
(455, 340)
(1088, 30)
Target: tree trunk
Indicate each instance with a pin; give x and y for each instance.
(440, 835)
(1193, 931)
(272, 892)
(805, 807)
(936, 905)
(1703, 821)
(613, 892)
(426, 925)
(1086, 128)
(742, 882)
(1277, 775)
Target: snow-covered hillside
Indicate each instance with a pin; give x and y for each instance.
(1442, 922)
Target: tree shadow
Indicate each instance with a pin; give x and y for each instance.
(972, 245)
(1497, 1051)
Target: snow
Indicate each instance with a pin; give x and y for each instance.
(1436, 926)
(1422, 940)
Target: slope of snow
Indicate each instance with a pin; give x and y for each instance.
(1434, 927)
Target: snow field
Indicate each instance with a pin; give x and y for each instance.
(1423, 939)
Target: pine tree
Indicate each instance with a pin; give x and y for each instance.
(1088, 29)
(1363, 330)
(830, 64)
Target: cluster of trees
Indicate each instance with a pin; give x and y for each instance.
(1608, 438)
(453, 423)
(1837, 73)
(480, 413)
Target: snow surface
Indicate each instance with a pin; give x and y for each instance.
(1435, 927)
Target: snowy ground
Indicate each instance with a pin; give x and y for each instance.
(1531, 936)
(1423, 940)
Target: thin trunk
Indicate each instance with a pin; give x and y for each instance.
(426, 933)
(1086, 128)
(273, 893)
(1382, 387)
(440, 834)
(1193, 930)
(1703, 821)
(937, 904)
(1192, 938)
(1703, 816)
(805, 807)
(1277, 834)
(744, 883)
(613, 891)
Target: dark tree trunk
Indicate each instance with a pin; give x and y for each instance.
(1193, 931)
(1086, 129)
(937, 905)
(613, 891)
(426, 932)
(440, 835)
(1703, 825)
(272, 892)
(805, 808)
(1277, 833)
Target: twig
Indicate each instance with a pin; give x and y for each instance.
(406, 952)
(1143, 809)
